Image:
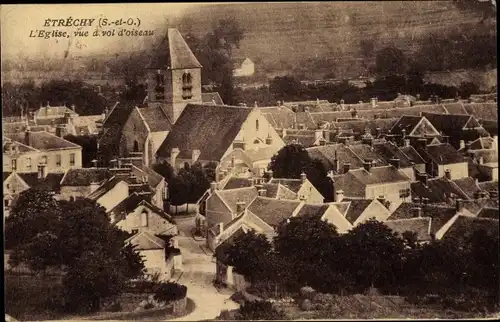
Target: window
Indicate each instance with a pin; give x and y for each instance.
(136, 146)
(257, 125)
(14, 164)
(58, 160)
(8, 186)
(144, 219)
(6, 203)
(43, 160)
(159, 85)
(187, 86)
(404, 193)
(135, 231)
(28, 163)
(72, 159)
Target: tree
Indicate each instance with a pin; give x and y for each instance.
(259, 310)
(165, 170)
(286, 88)
(467, 88)
(79, 239)
(375, 254)
(390, 61)
(246, 254)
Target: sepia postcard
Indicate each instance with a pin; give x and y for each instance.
(332, 160)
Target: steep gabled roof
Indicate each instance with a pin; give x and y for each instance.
(326, 154)
(465, 226)
(443, 153)
(356, 208)
(6, 175)
(280, 117)
(146, 241)
(468, 185)
(388, 150)
(43, 141)
(233, 196)
(455, 108)
(173, 53)
(273, 211)
(438, 190)
(85, 176)
(316, 210)
(208, 128)
(407, 123)
(488, 213)
(379, 175)
(489, 185)
(365, 151)
(236, 182)
(484, 111)
(212, 98)
(420, 226)
(412, 154)
(155, 118)
(450, 124)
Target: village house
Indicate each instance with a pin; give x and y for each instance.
(405, 158)
(157, 255)
(23, 152)
(441, 158)
(79, 183)
(212, 98)
(210, 133)
(244, 68)
(136, 214)
(462, 226)
(387, 183)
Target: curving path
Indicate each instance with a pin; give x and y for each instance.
(198, 274)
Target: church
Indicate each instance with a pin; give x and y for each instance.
(176, 124)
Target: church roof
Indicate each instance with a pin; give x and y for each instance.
(208, 128)
(173, 53)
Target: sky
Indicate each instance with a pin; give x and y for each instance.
(18, 21)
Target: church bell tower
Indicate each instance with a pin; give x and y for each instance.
(174, 76)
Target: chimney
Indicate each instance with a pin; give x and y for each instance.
(422, 143)
(347, 167)
(279, 103)
(283, 132)
(221, 227)
(262, 192)
(378, 132)
(339, 195)
(269, 139)
(403, 132)
(303, 177)
(119, 162)
(342, 105)
(60, 130)
(112, 163)
(417, 212)
(367, 164)
(173, 156)
(406, 142)
(93, 186)
(481, 160)
(213, 186)
(255, 104)
(240, 206)
(322, 141)
(447, 174)
(459, 205)
(27, 136)
(395, 162)
(374, 102)
(195, 155)
(318, 134)
(251, 181)
(94, 163)
(42, 171)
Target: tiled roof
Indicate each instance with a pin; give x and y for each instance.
(155, 118)
(407, 123)
(342, 206)
(154, 178)
(360, 126)
(50, 183)
(129, 204)
(212, 98)
(468, 185)
(451, 124)
(438, 190)
(484, 111)
(307, 119)
(364, 151)
(112, 127)
(420, 226)
(443, 153)
(105, 187)
(6, 175)
(273, 211)
(292, 184)
(146, 241)
(210, 129)
(490, 125)
(439, 215)
(235, 182)
(412, 154)
(279, 117)
(313, 210)
(482, 143)
(231, 197)
(173, 53)
(488, 155)
(356, 208)
(30, 178)
(474, 206)
(53, 111)
(326, 154)
(43, 141)
(21, 127)
(278, 191)
(379, 175)
(465, 226)
(85, 176)
(455, 108)
(304, 140)
(488, 213)
(389, 150)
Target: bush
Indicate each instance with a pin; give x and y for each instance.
(149, 306)
(306, 305)
(259, 310)
(115, 307)
(307, 292)
(167, 292)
